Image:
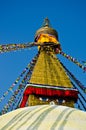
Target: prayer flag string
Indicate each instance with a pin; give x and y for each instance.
(14, 99)
(19, 78)
(14, 47)
(73, 77)
(74, 60)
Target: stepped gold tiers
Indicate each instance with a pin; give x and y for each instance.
(49, 71)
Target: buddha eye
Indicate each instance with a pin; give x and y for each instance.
(40, 99)
(47, 99)
(57, 100)
(63, 101)
(60, 101)
(43, 99)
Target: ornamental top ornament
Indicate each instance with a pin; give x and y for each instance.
(46, 29)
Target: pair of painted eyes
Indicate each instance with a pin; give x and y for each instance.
(43, 99)
(58, 100)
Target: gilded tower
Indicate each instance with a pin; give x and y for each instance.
(49, 82)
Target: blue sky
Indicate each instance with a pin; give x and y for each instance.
(19, 20)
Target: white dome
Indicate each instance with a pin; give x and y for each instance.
(44, 117)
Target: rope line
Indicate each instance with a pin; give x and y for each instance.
(72, 59)
(75, 79)
(83, 88)
(20, 46)
(14, 47)
(14, 99)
